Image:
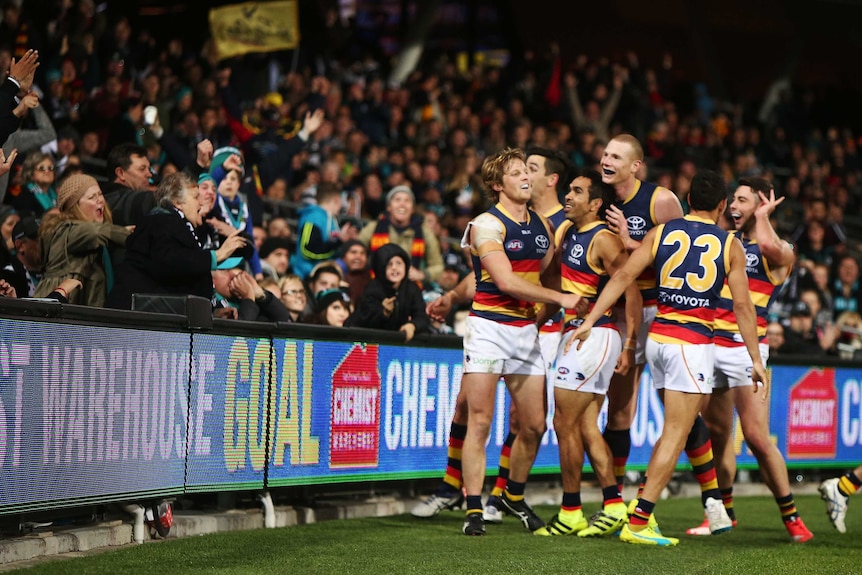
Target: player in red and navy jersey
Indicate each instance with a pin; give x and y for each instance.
(510, 246)
(769, 261)
(587, 253)
(692, 257)
(639, 206)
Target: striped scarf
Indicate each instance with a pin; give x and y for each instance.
(417, 251)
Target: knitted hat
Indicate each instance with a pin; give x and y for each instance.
(72, 190)
(328, 297)
(222, 154)
(402, 189)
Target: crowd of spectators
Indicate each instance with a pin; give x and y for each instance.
(333, 162)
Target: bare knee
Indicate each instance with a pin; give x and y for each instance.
(533, 431)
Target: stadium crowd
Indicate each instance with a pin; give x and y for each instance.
(306, 179)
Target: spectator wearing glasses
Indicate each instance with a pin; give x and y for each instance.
(37, 185)
(293, 296)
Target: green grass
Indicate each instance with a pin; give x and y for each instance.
(405, 545)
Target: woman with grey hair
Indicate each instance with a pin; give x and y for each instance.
(164, 255)
(37, 193)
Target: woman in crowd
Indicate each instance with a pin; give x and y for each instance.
(164, 255)
(293, 296)
(390, 301)
(75, 242)
(210, 228)
(37, 185)
(332, 307)
(8, 218)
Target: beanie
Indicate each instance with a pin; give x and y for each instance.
(72, 190)
(402, 189)
(328, 297)
(222, 154)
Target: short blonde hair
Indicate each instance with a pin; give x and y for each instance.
(494, 167)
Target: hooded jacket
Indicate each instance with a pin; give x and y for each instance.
(409, 304)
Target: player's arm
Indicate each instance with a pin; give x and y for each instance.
(552, 279)
(621, 280)
(777, 252)
(487, 241)
(667, 208)
(614, 256)
(743, 308)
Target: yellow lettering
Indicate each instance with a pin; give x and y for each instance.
(310, 444)
(259, 385)
(287, 434)
(235, 410)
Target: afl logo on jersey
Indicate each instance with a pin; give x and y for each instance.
(514, 246)
(542, 242)
(577, 251)
(636, 223)
(751, 260)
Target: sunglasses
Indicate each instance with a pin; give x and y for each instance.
(45, 168)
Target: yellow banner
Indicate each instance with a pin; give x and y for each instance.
(255, 27)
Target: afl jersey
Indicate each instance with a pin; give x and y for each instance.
(691, 263)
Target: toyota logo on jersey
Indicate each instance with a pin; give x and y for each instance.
(637, 225)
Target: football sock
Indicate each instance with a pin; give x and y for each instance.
(727, 499)
(787, 507)
(515, 490)
(620, 443)
(503, 469)
(571, 502)
(849, 484)
(698, 447)
(474, 504)
(610, 495)
(641, 515)
(452, 478)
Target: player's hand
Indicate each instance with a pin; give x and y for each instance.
(617, 223)
(767, 205)
(761, 380)
(625, 361)
(438, 309)
(571, 301)
(580, 335)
